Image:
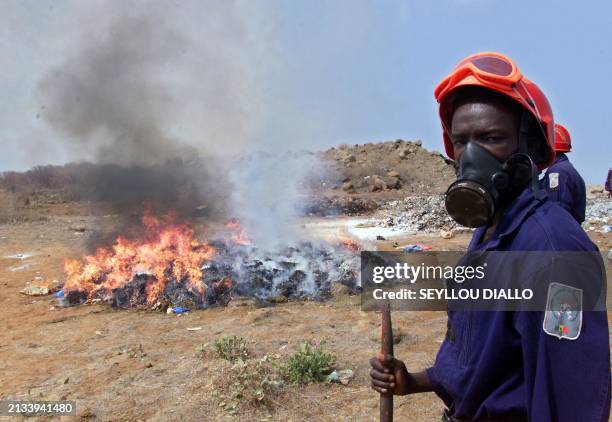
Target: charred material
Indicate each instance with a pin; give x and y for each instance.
(304, 271)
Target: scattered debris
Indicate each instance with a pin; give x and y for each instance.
(176, 310)
(33, 290)
(24, 255)
(40, 288)
(425, 214)
(446, 234)
(418, 247)
(598, 215)
(343, 376)
(19, 267)
(194, 328)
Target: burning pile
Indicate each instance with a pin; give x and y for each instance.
(170, 267)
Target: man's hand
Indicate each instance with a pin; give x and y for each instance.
(390, 374)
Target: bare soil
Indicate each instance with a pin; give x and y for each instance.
(49, 352)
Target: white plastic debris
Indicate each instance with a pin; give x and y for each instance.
(343, 376)
(33, 290)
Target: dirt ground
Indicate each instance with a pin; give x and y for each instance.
(49, 352)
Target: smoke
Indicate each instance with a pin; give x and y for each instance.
(269, 192)
(138, 89)
(147, 88)
(145, 91)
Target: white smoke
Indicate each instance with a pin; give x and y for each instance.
(269, 193)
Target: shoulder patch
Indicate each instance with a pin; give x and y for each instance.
(563, 315)
(553, 181)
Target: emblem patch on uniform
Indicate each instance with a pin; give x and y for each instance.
(553, 180)
(563, 315)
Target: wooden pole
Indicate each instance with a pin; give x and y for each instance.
(386, 348)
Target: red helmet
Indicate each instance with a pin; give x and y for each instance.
(563, 140)
(499, 73)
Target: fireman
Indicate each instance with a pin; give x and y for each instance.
(562, 181)
(508, 366)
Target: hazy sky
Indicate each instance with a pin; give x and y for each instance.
(310, 74)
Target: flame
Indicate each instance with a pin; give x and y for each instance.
(168, 265)
(238, 233)
(343, 239)
(169, 251)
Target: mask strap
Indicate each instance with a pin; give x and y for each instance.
(535, 185)
(526, 121)
(523, 138)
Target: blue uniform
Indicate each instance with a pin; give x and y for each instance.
(496, 364)
(565, 186)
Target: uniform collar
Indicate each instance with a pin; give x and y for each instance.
(510, 221)
(561, 157)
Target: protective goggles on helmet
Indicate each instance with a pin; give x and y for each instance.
(499, 73)
(494, 71)
(489, 68)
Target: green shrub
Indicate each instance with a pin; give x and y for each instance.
(249, 383)
(231, 348)
(308, 364)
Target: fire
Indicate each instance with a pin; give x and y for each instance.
(169, 268)
(239, 235)
(344, 240)
(169, 252)
(351, 245)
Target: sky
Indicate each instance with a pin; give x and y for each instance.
(306, 74)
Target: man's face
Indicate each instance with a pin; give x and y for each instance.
(489, 123)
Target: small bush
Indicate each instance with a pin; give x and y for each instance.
(132, 351)
(245, 383)
(231, 348)
(308, 364)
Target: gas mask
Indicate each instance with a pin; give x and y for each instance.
(484, 184)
